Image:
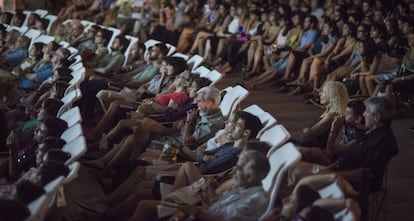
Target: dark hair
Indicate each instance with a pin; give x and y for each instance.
(27, 191)
(288, 25)
(7, 16)
(369, 50)
(178, 63)
(316, 214)
(313, 20)
(352, 28)
(39, 53)
(251, 122)
(200, 81)
(55, 126)
(306, 196)
(51, 106)
(55, 46)
(21, 17)
(163, 49)
(260, 146)
(57, 156)
(60, 85)
(8, 208)
(53, 143)
(123, 41)
(357, 106)
(106, 35)
(51, 170)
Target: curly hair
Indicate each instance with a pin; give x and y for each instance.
(338, 97)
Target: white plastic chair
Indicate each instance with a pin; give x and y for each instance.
(280, 161)
(149, 43)
(41, 12)
(27, 13)
(267, 121)
(32, 34)
(38, 208)
(78, 59)
(86, 24)
(331, 191)
(72, 119)
(132, 41)
(51, 189)
(73, 172)
(71, 134)
(171, 49)
(115, 32)
(345, 215)
(202, 71)
(275, 136)
(69, 99)
(22, 29)
(254, 109)
(196, 61)
(214, 76)
(180, 55)
(52, 19)
(64, 44)
(73, 52)
(77, 146)
(75, 66)
(68, 113)
(45, 39)
(233, 97)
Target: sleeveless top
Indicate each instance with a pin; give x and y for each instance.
(281, 39)
(233, 27)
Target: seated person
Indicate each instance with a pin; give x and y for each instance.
(15, 55)
(345, 129)
(370, 152)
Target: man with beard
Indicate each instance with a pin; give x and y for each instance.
(113, 61)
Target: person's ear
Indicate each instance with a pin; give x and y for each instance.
(247, 132)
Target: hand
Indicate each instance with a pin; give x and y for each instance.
(338, 122)
(395, 80)
(192, 115)
(354, 75)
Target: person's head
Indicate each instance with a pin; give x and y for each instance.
(196, 82)
(208, 100)
(250, 169)
(41, 24)
(176, 65)
(158, 52)
(348, 29)
(297, 19)
(60, 53)
(46, 145)
(76, 28)
(32, 19)
(49, 107)
(334, 96)
(362, 32)
(26, 191)
(99, 37)
(229, 123)
(36, 51)
(310, 22)
(92, 32)
(8, 208)
(378, 111)
(120, 43)
(247, 126)
(302, 197)
(50, 47)
(329, 29)
(62, 74)
(367, 49)
(50, 126)
(51, 170)
(57, 156)
(314, 213)
(354, 112)
(22, 42)
(6, 17)
(259, 146)
(18, 19)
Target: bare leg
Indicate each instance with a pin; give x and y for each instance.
(184, 40)
(146, 210)
(126, 208)
(289, 66)
(207, 50)
(258, 55)
(187, 174)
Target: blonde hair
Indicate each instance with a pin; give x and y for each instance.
(338, 97)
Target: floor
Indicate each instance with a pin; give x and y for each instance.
(294, 114)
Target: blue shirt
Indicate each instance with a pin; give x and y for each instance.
(226, 157)
(16, 56)
(43, 73)
(308, 36)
